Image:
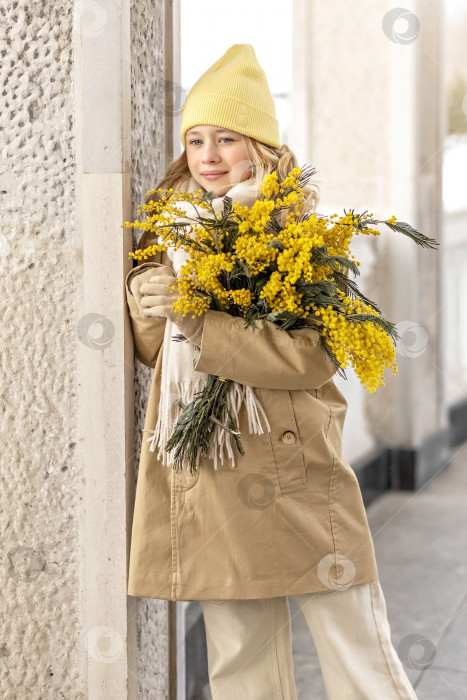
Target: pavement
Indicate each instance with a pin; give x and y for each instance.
(420, 541)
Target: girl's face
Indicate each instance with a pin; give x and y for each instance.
(217, 158)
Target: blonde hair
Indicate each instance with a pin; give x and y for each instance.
(264, 159)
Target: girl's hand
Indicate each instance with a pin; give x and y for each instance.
(158, 296)
(158, 293)
(138, 277)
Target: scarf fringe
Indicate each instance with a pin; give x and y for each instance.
(169, 409)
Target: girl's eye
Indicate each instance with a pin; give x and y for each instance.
(222, 137)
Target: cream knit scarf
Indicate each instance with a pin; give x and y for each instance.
(179, 381)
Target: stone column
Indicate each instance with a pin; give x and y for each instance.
(84, 136)
(368, 98)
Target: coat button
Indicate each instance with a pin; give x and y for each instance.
(288, 437)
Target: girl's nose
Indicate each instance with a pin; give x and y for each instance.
(210, 154)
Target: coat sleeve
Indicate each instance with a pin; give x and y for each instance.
(148, 333)
(266, 357)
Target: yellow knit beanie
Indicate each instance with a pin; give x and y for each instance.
(233, 93)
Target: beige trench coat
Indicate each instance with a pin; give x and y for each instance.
(289, 518)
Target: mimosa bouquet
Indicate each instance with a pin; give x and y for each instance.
(244, 262)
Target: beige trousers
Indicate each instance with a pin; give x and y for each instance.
(249, 646)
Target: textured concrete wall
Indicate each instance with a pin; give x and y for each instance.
(149, 38)
(40, 489)
(83, 130)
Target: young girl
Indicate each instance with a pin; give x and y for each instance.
(286, 518)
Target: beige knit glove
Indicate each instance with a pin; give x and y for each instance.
(138, 277)
(158, 295)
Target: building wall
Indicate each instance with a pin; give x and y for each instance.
(41, 481)
(150, 91)
(368, 96)
(84, 136)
